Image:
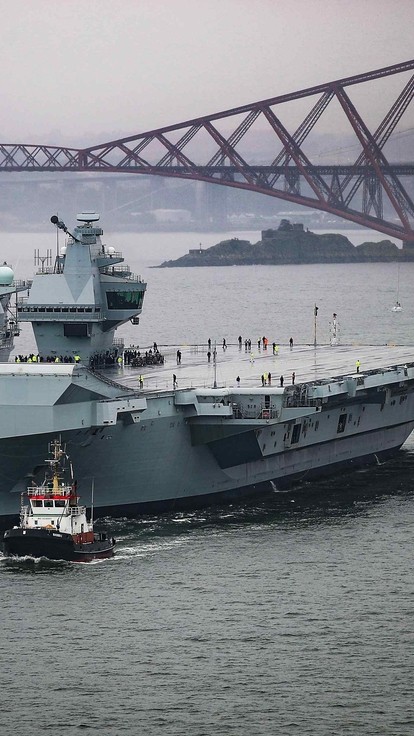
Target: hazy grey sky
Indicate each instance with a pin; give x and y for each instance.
(99, 69)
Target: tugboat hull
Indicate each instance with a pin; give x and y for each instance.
(55, 546)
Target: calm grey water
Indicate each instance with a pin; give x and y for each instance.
(292, 615)
(188, 306)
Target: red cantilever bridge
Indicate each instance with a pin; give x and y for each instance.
(203, 149)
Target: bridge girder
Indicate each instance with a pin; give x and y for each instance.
(200, 149)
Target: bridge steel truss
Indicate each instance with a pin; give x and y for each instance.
(199, 149)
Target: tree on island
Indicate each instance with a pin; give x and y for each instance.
(285, 225)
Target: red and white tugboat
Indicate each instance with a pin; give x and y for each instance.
(53, 524)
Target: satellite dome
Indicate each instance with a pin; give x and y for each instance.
(6, 275)
(63, 250)
(110, 250)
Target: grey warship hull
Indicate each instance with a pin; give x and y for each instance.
(150, 444)
(157, 449)
(145, 491)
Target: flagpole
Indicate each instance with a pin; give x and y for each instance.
(315, 315)
(215, 364)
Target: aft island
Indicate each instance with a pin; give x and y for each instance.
(292, 243)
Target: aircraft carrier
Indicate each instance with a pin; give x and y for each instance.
(147, 444)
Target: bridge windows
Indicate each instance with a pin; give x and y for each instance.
(124, 299)
(58, 310)
(49, 503)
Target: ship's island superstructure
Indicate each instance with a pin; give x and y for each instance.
(163, 446)
(76, 305)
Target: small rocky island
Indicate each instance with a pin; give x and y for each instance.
(291, 243)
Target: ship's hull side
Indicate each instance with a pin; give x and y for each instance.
(256, 490)
(131, 482)
(52, 544)
(176, 450)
